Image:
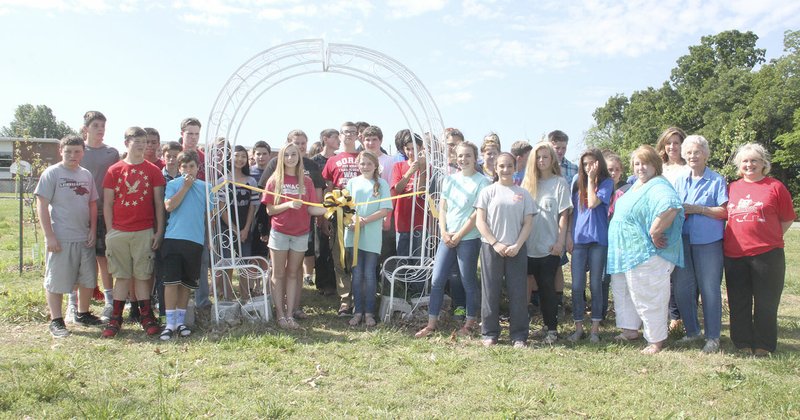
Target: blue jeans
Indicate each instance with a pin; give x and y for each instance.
(466, 257)
(703, 271)
(593, 256)
(404, 240)
(364, 282)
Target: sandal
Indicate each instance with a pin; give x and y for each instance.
(355, 320)
(651, 349)
(622, 337)
(292, 323)
(344, 310)
(166, 334)
(183, 331)
(424, 332)
(299, 314)
(466, 330)
(282, 323)
(369, 320)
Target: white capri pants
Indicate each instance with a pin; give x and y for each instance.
(641, 297)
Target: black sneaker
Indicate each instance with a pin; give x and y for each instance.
(58, 329)
(87, 319)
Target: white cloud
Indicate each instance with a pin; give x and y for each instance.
(205, 19)
(410, 8)
(294, 26)
(481, 9)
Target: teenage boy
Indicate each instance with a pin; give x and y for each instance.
(338, 171)
(521, 150)
(190, 137)
(169, 156)
(97, 159)
(261, 153)
(325, 278)
(133, 192)
(559, 140)
(67, 204)
(186, 201)
(408, 176)
(151, 152)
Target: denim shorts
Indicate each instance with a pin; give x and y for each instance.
(283, 242)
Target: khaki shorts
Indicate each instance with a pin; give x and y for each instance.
(129, 254)
(74, 265)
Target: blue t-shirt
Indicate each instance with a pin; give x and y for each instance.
(370, 237)
(629, 241)
(591, 225)
(461, 193)
(188, 221)
(710, 190)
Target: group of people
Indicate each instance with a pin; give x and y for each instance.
(658, 240)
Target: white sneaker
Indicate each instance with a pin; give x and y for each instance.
(105, 316)
(550, 338)
(71, 313)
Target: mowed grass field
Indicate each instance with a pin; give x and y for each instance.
(329, 370)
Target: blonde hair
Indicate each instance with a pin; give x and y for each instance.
(376, 174)
(532, 175)
(756, 148)
(646, 153)
(280, 172)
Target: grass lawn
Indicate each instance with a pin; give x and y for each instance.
(327, 369)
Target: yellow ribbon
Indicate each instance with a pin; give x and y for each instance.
(340, 204)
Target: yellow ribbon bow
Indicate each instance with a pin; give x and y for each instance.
(340, 204)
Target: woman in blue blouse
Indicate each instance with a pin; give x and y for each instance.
(644, 245)
(704, 194)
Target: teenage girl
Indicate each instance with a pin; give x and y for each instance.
(504, 218)
(549, 233)
(246, 202)
(460, 241)
(291, 221)
(367, 187)
(592, 189)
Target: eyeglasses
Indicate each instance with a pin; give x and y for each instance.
(349, 132)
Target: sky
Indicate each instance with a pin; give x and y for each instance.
(517, 68)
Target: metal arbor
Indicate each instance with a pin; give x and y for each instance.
(295, 59)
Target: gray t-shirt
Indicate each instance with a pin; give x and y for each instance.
(552, 198)
(69, 193)
(506, 208)
(97, 160)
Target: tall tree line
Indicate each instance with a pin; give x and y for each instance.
(724, 90)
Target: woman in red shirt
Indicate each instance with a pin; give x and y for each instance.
(759, 214)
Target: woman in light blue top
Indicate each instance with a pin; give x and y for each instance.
(369, 186)
(460, 243)
(704, 194)
(644, 246)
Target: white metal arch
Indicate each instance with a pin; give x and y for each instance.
(284, 62)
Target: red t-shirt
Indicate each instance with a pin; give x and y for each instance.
(292, 222)
(755, 213)
(201, 169)
(341, 168)
(403, 206)
(134, 205)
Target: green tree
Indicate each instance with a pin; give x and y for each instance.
(36, 121)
